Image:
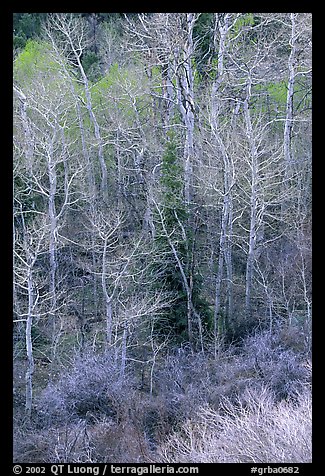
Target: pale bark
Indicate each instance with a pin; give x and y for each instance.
(225, 252)
(66, 27)
(289, 118)
(29, 343)
(148, 221)
(170, 93)
(29, 250)
(29, 146)
(85, 152)
(185, 96)
(288, 125)
(51, 166)
(99, 141)
(251, 255)
(107, 297)
(123, 351)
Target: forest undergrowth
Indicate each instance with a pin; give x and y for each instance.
(252, 403)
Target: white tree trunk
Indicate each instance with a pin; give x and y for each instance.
(123, 352)
(29, 343)
(107, 298)
(225, 253)
(185, 97)
(52, 215)
(67, 29)
(289, 104)
(253, 202)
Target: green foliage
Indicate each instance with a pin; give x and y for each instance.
(175, 213)
(156, 78)
(278, 92)
(35, 60)
(110, 79)
(19, 41)
(171, 178)
(39, 338)
(90, 63)
(244, 32)
(172, 184)
(172, 203)
(202, 36)
(270, 99)
(302, 94)
(247, 19)
(213, 69)
(156, 71)
(131, 89)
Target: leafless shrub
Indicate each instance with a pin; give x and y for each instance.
(189, 379)
(200, 409)
(30, 447)
(100, 441)
(118, 442)
(68, 443)
(92, 387)
(256, 430)
(276, 365)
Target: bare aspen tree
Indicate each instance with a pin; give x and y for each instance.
(113, 270)
(52, 150)
(162, 203)
(170, 37)
(46, 152)
(71, 80)
(30, 244)
(222, 25)
(289, 104)
(185, 96)
(28, 261)
(105, 232)
(253, 200)
(80, 105)
(73, 32)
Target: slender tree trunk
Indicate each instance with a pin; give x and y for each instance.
(288, 124)
(229, 267)
(170, 92)
(185, 96)
(289, 104)
(123, 352)
(107, 298)
(29, 343)
(29, 140)
(89, 166)
(148, 221)
(29, 147)
(52, 243)
(219, 276)
(30, 260)
(253, 203)
(225, 249)
(89, 106)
